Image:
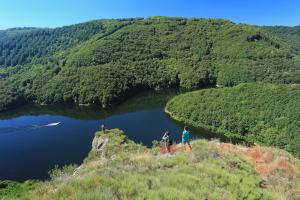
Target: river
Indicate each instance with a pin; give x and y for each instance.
(34, 139)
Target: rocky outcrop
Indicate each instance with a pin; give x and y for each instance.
(99, 143)
(106, 145)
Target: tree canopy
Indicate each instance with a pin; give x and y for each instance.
(256, 112)
(105, 61)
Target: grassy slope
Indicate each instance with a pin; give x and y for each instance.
(107, 60)
(125, 170)
(264, 113)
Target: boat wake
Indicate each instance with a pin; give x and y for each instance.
(4, 130)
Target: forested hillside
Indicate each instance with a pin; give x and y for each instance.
(16, 31)
(264, 113)
(105, 61)
(291, 35)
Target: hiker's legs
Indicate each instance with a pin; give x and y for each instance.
(170, 144)
(166, 147)
(169, 148)
(189, 145)
(184, 146)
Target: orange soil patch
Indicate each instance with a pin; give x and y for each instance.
(284, 164)
(264, 161)
(175, 148)
(172, 149)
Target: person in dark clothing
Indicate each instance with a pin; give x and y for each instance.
(167, 141)
(103, 128)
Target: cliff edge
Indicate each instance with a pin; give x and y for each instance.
(118, 168)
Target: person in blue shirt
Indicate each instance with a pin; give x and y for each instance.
(186, 137)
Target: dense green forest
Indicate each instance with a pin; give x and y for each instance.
(291, 35)
(105, 61)
(15, 31)
(264, 113)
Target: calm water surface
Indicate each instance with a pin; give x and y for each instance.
(34, 139)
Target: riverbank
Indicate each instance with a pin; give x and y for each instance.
(118, 168)
(256, 112)
(24, 140)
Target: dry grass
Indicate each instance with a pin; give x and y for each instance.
(212, 170)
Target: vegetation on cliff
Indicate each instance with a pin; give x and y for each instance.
(104, 61)
(117, 168)
(257, 112)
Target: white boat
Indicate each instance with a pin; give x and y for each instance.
(53, 124)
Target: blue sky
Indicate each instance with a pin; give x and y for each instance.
(53, 13)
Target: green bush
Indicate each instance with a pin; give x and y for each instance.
(12, 189)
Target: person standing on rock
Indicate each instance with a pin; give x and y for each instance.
(186, 138)
(103, 128)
